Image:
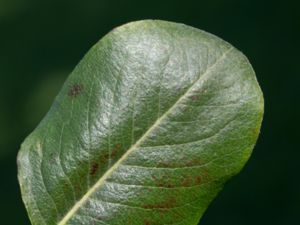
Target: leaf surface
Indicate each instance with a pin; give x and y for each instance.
(145, 131)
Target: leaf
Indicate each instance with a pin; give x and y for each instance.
(146, 130)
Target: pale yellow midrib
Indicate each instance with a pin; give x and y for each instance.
(133, 147)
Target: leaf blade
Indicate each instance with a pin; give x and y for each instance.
(131, 41)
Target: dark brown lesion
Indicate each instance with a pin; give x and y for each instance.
(169, 203)
(190, 181)
(94, 168)
(103, 159)
(147, 222)
(187, 181)
(115, 150)
(111, 155)
(162, 182)
(194, 162)
(194, 97)
(198, 180)
(75, 90)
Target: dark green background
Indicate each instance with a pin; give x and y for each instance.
(41, 41)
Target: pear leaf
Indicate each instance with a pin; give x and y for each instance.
(145, 131)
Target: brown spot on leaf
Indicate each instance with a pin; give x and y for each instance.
(169, 185)
(170, 203)
(105, 157)
(113, 154)
(162, 182)
(194, 97)
(75, 90)
(198, 180)
(115, 150)
(187, 181)
(194, 162)
(94, 168)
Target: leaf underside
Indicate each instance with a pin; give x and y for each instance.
(145, 131)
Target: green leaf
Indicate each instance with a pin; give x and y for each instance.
(145, 131)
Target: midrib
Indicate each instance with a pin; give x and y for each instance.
(101, 181)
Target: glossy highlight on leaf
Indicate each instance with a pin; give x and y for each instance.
(145, 131)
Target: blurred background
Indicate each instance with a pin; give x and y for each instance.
(42, 41)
